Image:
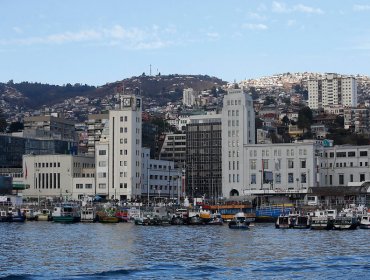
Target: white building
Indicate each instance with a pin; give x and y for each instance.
(102, 164)
(340, 165)
(59, 176)
(160, 179)
(332, 89)
(124, 177)
(189, 97)
(238, 122)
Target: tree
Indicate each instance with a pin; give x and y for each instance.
(305, 118)
(269, 100)
(3, 123)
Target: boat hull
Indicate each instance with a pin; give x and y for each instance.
(66, 219)
(364, 226)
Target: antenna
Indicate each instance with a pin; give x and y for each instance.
(150, 70)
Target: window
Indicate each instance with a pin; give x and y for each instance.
(351, 177)
(265, 164)
(303, 178)
(253, 164)
(303, 163)
(253, 178)
(362, 177)
(351, 154)
(290, 163)
(102, 152)
(341, 179)
(88, 186)
(341, 154)
(102, 163)
(102, 174)
(102, 186)
(290, 178)
(363, 153)
(277, 178)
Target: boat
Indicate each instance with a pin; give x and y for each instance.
(3, 216)
(228, 211)
(122, 215)
(216, 219)
(194, 218)
(29, 213)
(345, 220)
(66, 213)
(239, 221)
(44, 215)
(365, 221)
(15, 215)
(106, 217)
(87, 214)
(323, 219)
(299, 221)
(179, 217)
(283, 222)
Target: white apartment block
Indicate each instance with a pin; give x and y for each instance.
(238, 119)
(58, 176)
(189, 97)
(340, 165)
(332, 89)
(124, 176)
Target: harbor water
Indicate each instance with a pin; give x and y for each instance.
(46, 250)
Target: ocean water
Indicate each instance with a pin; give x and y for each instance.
(44, 250)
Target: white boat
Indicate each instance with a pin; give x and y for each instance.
(29, 213)
(239, 221)
(346, 219)
(88, 214)
(365, 221)
(43, 215)
(323, 219)
(282, 222)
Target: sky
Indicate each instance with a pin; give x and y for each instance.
(97, 42)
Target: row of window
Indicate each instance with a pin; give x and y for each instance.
(268, 178)
(265, 164)
(232, 113)
(81, 186)
(344, 164)
(346, 154)
(234, 102)
(277, 152)
(47, 164)
(47, 181)
(104, 186)
(341, 178)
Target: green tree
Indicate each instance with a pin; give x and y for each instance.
(305, 118)
(16, 127)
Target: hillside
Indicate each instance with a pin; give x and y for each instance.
(27, 96)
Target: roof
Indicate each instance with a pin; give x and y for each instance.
(339, 191)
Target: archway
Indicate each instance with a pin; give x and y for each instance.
(234, 192)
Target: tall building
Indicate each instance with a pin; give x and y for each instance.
(174, 149)
(203, 156)
(238, 129)
(189, 97)
(125, 144)
(332, 89)
(95, 125)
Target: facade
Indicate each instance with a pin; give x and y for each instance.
(50, 126)
(95, 125)
(279, 168)
(189, 97)
(174, 149)
(238, 130)
(204, 157)
(58, 176)
(332, 89)
(341, 165)
(12, 148)
(102, 163)
(125, 140)
(160, 179)
(357, 119)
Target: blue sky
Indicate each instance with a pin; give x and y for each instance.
(96, 42)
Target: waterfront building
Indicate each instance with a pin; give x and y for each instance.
(95, 125)
(279, 168)
(160, 179)
(238, 129)
(203, 156)
(125, 140)
(332, 89)
(341, 165)
(58, 176)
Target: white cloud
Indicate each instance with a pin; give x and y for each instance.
(213, 35)
(256, 16)
(130, 38)
(254, 26)
(279, 7)
(361, 8)
(307, 9)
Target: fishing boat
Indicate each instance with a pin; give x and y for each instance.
(66, 213)
(87, 214)
(216, 219)
(106, 217)
(323, 219)
(283, 222)
(345, 220)
(122, 215)
(43, 215)
(29, 213)
(239, 221)
(365, 221)
(15, 215)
